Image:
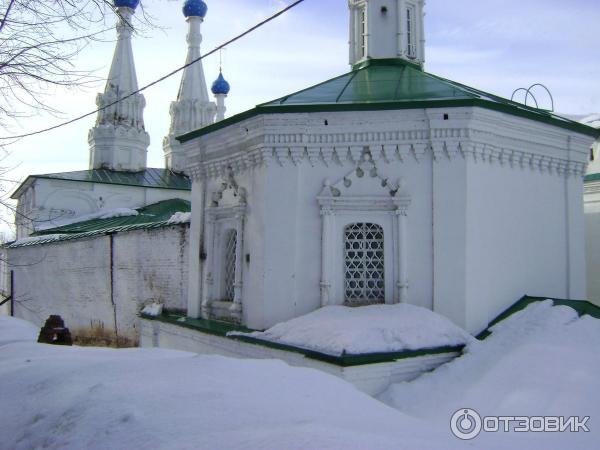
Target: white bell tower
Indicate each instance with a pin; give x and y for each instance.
(387, 29)
(193, 108)
(119, 141)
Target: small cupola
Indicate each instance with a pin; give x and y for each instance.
(132, 4)
(195, 8)
(381, 29)
(220, 86)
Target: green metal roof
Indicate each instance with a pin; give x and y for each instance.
(592, 177)
(152, 216)
(583, 307)
(389, 84)
(149, 178)
(380, 81)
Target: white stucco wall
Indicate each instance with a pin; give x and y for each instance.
(60, 199)
(293, 235)
(495, 205)
(4, 282)
(518, 240)
(74, 279)
(592, 234)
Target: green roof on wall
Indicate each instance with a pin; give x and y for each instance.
(148, 178)
(592, 177)
(149, 217)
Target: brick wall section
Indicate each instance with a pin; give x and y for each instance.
(150, 266)
(74, 279)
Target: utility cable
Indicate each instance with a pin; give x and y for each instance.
(159, 80)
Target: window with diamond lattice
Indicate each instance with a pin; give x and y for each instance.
(229, 266)
(364, 264)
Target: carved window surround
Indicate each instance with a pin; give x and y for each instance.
(225, 213)
(363, 196)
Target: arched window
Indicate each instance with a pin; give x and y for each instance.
(364, 264)
(228, 277)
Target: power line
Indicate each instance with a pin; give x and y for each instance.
(159, 80)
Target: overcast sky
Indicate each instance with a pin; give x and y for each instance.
(493, 45)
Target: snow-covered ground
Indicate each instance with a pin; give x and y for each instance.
(542, 361)
(368, 329)
(91, 398)
(17, 330)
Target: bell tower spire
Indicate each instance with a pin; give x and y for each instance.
(193, 108)
(119, 141)
(387, 29)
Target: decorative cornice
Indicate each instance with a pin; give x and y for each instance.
(305, 140)
(440, 151)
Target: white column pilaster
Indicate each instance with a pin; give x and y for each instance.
(207, 291)
(326, 255)
(402, 224)
(195, 277)
(236, 307)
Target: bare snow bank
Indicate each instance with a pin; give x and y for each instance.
(153, 309)
(17, 330)
(369, 329)
(542, 361)
(70, 397)
(33, 239)
(180, 217)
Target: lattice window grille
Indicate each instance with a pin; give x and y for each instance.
(364, 264)
(229, 266)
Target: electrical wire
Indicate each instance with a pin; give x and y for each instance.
(159, 80)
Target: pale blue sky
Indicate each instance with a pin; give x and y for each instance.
(496, 46)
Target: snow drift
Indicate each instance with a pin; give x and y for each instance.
(369, 329)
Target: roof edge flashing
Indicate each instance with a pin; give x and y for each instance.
(386, 62)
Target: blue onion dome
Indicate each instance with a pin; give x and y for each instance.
(194, 8)
(127, 3)
(220, 86)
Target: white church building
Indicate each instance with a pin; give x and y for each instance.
(385, 185)
(388, 185)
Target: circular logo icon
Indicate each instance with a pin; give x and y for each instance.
(465, 424)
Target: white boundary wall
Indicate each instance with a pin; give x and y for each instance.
(99, 284)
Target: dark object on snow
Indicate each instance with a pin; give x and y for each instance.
(54, 332)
